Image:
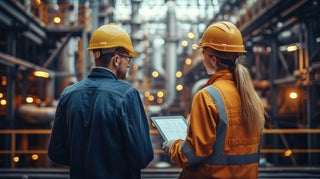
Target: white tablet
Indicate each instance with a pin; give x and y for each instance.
(171, 127)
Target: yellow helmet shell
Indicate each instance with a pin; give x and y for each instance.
(223, 36)
(111, 36)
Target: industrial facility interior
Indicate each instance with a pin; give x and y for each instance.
(43, 49)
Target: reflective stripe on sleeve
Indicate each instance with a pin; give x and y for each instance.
(190, 155)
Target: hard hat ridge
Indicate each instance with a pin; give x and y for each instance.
(223, 36)
(111, 36)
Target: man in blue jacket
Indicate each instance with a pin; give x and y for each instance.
(100, 128)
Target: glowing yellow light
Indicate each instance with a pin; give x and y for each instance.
(160, 94)
(293, 95)
(1, 95)
(3, 102)
(188, 61)
(184, 43)
(151, 98)
(292, 48)
(155, 74)
(195, 46)
(29, 99)
(146, 94)
(191, 35)
(179, 87)
(42, 74)
(287, 153)
(16, 159)
(57, 20)
(178, 74)
(35, 157)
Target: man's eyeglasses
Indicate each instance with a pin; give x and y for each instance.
(126, 56)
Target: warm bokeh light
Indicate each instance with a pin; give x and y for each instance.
(42, 74)
(155, 74)
(293, 95)
(179, 87)
(184, 43)
(16, 159)
(3, 102)
(38, 101)
(188, 61)
(195, 46)
(151, 98)
(159, 100)
(29, 99)
(57, 20)
(146, 94)
(35, 157)
(292, 48)
(1, 95)
(178, 74)
(38, 2)
(287, 153)
(4, 81)
(191, 35)
(160, 94)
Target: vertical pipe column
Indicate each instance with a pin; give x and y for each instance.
(67, 60)
(171, 56)
(49, 96)
(273, 87)
(95, 14)
(11, 76)
(311, 94)
(11, 88)
(87, 60)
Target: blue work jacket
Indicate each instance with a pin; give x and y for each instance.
(101, 129)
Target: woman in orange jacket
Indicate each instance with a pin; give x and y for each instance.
(227, 117)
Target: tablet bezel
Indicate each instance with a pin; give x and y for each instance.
(155, 120)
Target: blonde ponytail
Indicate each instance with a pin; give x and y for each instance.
(252, 109)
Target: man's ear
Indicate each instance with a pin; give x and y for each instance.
(96, 54)
(115, 60)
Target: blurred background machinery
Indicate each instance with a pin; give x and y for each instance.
(43, 49)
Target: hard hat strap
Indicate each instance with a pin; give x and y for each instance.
(108, 50)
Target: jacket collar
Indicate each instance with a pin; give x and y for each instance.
(101, 72)
(220, 75)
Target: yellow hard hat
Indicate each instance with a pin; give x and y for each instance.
(223, 36)
(111, 36)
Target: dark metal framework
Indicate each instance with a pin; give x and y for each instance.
(268, 28)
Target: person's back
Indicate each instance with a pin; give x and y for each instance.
(207, 115)
(101, 129)
(226, 118)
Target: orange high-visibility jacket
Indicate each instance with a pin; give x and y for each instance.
(217, 145)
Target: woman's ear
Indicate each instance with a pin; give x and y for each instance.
(214, 60)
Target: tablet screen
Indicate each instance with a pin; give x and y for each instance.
(171, 127)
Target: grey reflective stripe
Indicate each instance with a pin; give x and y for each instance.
(188, 152)
(218, 157)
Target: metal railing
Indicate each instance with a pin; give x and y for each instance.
(24, 149)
